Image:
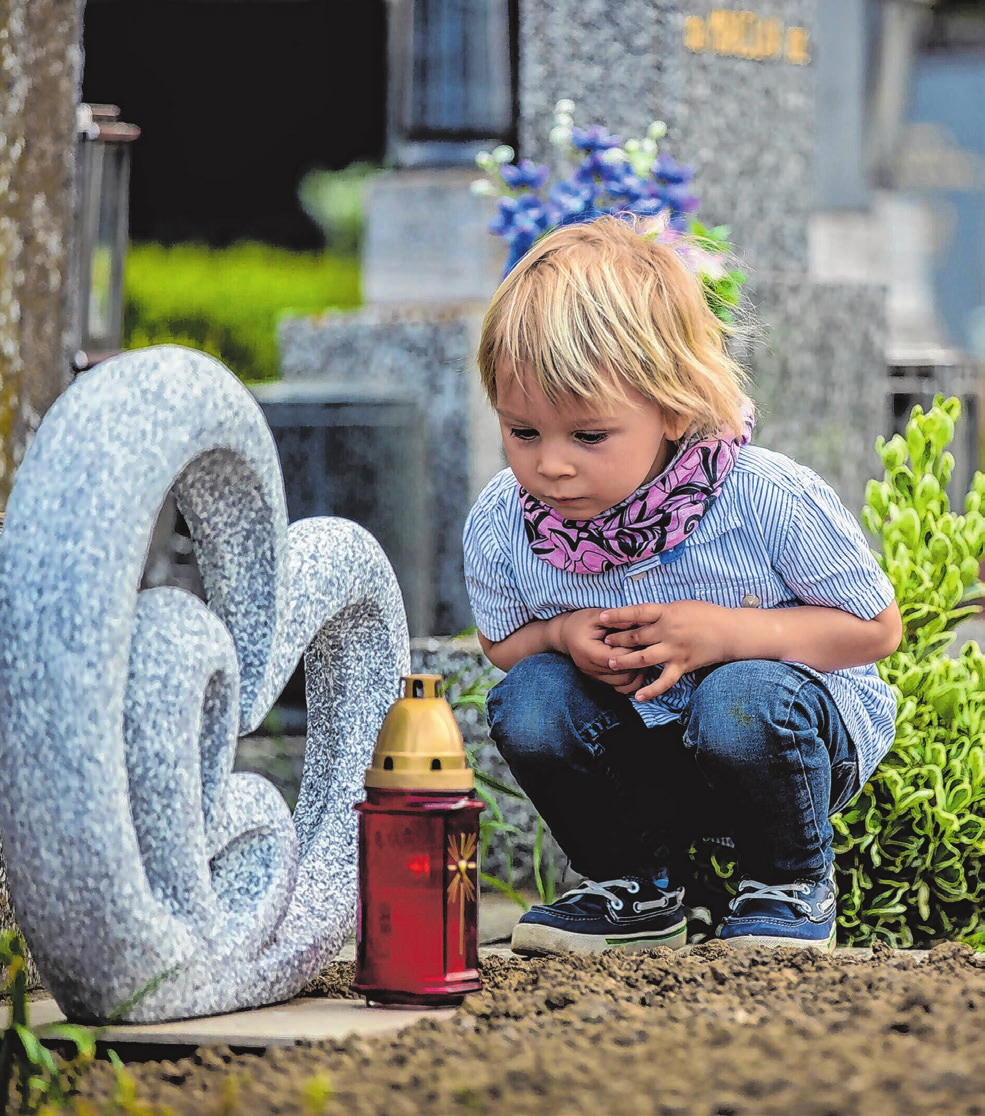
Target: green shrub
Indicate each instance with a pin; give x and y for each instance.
(227, 302)
(911, 849)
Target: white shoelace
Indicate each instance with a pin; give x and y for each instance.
(784, 893)
(589, 887)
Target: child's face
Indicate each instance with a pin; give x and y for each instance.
(580, 457)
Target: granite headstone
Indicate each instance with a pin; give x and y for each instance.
(427, 352)
(736, 87)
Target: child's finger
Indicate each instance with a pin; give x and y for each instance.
(630, 688)
(641, 636)
(625, 681)
(629, 616)
(668, 677)
(636, 660)
(602, 672)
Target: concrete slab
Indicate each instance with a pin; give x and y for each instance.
(311, 1019)
(308, 1019)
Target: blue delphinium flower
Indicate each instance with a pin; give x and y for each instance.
(607, 177)
(623, 184)
(593, 139)
(668, 170)
(520, 222)
(571, 197)
(524, 174)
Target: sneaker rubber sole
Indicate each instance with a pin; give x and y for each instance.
(535, 938)
(748, 941)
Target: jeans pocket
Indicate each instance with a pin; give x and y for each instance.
(844, 784)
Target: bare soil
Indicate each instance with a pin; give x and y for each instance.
(714, 1030)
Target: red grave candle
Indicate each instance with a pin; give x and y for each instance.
(416, 926)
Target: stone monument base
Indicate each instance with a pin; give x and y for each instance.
(427, 239)
(426, 352)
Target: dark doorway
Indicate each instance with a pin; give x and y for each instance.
(236, 100)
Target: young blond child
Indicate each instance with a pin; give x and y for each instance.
(688, 622)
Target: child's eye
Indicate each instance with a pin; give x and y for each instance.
(591, 437)
(523, 433)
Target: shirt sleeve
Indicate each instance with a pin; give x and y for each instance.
(497, 604)
(825, 558)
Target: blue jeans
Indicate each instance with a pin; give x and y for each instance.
(761, 756)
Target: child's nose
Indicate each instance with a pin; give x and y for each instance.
(554, 462)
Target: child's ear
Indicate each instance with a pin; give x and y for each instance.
(676, 425)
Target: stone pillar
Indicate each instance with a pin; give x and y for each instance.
(40, 65)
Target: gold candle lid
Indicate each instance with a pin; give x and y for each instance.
(420, 746)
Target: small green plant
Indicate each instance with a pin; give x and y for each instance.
(545, 870)
(41, 1082)
(28, 1068)
(467, 689)
(317, 1093)
(911, 848)
(125, 1101)
(493, 826)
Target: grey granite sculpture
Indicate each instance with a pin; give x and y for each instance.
(150, 881)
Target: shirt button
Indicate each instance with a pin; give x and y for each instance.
(636, 576)
(750, 600)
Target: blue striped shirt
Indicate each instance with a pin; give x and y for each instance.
(777, 536)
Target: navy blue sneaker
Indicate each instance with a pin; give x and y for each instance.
(801, 913)
(632, 914)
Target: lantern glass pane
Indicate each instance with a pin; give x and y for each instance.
(110, 182)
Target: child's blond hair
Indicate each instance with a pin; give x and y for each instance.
(593, 308)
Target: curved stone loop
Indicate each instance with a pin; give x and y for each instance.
(138, 862)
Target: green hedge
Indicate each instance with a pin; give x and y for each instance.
(228, 301)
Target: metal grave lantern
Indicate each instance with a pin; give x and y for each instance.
(416, 930)
(102, 229)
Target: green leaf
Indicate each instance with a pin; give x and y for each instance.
(497, 785)
(32, 1048)
(83, 1037)
(505, 888)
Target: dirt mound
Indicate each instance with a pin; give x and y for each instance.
(716, 1030)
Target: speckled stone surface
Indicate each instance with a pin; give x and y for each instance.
(426, 240)
(745, 124)
(137, 860)
(816, 354)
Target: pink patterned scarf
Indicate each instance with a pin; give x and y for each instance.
(656, 517)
